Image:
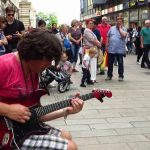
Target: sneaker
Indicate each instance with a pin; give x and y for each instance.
(82, 85)
(143, 66)
(108, 78)
(120, 79)
(138, 63)
(71, 82)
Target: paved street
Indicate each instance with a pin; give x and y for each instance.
(120, 123)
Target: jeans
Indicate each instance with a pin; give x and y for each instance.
(111, 58)
(75, 51)
(103, 48)
(86, 75)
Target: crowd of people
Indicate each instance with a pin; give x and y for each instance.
(25, 54)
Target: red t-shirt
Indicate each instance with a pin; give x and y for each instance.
(12, 81)
(104, 30)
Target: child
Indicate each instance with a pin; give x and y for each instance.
(86, 66)
(65, 65)
(3, 40)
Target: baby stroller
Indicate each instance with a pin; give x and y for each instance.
(51, 74)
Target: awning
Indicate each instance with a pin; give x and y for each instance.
(99, 2)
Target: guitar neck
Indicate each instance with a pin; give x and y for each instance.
(41, 111)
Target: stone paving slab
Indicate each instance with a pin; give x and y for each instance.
(140, 146)
(123, 139)
(120, 146)
(120, 123)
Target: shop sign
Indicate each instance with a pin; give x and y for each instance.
(120, 7)
(115, 8)
(141, 2)
(110, 10)
(132, 3)
(103, 12)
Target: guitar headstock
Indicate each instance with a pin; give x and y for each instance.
(100, 93)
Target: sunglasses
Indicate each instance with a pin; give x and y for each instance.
(10, 15)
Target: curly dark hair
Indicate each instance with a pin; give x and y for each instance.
(38, 45)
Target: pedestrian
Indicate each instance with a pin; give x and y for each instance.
(145, 43)
(86, 67)
(3, 40)
(14, 30)
(103, 28)
(41, 24)
(54, 29)
(139, 50)
(19, 79)
(90, 41)
(116, 48)
(75, 37)
(64, 39)
(81, 46)
(64, 64)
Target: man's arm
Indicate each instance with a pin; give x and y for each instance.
(142, 44)
(107, 42)
(76, 106)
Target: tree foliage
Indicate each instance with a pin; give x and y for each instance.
(49, 18)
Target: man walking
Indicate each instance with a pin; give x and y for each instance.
(145, 43)
(116, 48)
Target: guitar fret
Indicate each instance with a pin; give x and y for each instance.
(57, 106)
(68, 102)
(40, 111)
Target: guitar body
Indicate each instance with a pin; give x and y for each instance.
(21, 131)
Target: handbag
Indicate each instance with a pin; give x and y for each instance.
(100, 57)
(105, 61)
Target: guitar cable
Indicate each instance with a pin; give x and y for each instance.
(15, 140)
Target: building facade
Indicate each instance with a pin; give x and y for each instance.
(132, 11)
(27, 14)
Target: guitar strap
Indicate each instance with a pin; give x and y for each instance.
(31, 78)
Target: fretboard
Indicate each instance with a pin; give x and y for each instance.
(41, 111)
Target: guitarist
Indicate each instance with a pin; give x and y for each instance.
(19, 77)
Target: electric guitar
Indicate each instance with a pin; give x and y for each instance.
(13, 133)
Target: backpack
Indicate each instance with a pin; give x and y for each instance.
(66, 43)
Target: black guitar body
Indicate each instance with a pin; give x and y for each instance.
(23, 130)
